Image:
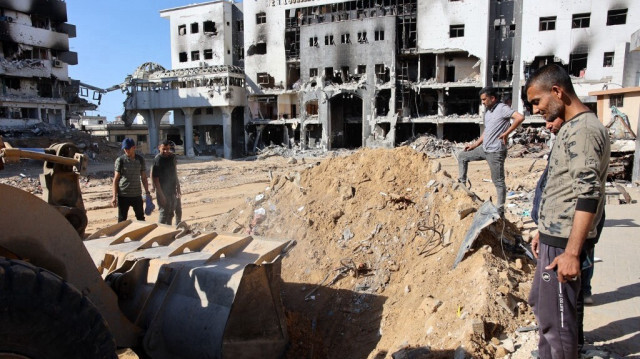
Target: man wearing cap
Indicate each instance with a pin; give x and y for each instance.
(130, 172)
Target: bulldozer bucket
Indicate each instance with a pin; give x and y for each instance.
(195, 295)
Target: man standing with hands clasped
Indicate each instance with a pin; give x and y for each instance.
(571, 206)
(497, 127)
(165, 180)
(130, 172)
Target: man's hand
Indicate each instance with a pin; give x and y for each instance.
(568, 267)
(535, 245)
(114, 202)
(504, 137)
(470, 147)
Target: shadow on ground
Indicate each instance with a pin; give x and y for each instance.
(618, 329)
(340, 323)
(623, 293)
(336, 323)
(627, 222)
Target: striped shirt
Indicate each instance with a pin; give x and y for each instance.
(130, 184)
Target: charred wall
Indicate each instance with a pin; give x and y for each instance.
(346, 44)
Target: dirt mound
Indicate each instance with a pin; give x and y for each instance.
(371, 275)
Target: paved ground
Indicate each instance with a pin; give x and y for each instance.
(613, 322)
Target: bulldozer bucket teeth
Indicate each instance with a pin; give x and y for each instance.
(196, 295)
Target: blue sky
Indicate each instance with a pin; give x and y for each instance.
(113, 38)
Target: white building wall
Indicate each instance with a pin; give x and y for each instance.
(595, 40)
(631, 73)
(271, 33)
(435, 17)
(219, 42)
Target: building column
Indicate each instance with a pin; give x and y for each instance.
(441, 109)
(324, 115)
(303, 135)
(226, 131)
(181, 130)
(188, 131)
(153, 125)
(285, 137)
(440, 130)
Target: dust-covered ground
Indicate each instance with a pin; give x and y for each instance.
(377, 233)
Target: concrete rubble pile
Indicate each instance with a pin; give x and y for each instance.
(43, 135)
(296, 152)
(529, 142)
(622, 156)
(432, 145)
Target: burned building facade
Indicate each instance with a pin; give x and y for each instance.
(364, 73)
(374, 73)
(346, 74)
(590, 38)
(205, 86)
(34, 62)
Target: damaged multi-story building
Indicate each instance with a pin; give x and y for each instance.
(590, 38)
(366, 72)
(34, 60)
(373, 73)
(204, 87)
(346, 74)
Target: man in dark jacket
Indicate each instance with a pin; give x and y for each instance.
(165, 180)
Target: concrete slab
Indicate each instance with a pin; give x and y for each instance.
(613, 321)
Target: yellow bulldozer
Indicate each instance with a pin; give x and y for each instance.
(162, 291)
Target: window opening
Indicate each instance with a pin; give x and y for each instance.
(581, 21)
(547, 23)
(608, 59)
(456, 31)
(209, 27)
(616, 100)
(261, 18)
(577, 63)
(617, 17)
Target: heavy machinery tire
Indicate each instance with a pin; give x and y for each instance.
(44, 317)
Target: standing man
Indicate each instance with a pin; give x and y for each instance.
(497, 127)
(130, 171)
(178, 209)
(571, 206)
(165, 180)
